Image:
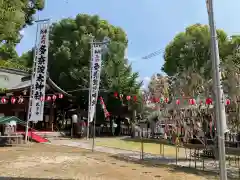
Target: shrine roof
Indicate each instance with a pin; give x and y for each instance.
(25, 81)
(50, 85)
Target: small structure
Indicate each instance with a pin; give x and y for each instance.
(8, 128)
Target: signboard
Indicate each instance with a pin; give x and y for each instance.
(39, 77)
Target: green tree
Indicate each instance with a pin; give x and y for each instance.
(191, 49)
(14, 16)
(69, 56)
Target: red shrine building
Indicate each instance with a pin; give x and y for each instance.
(15, 91)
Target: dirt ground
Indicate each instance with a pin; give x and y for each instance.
(60, 162)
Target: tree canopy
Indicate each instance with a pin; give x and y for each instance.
(69, 55)
(15, 15)
(187, 58)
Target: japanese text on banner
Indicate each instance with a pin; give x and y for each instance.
(95, 80)
(36, 105)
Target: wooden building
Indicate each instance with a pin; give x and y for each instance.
(15, 85)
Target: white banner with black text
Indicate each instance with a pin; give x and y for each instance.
(96, 64)
(39, 76)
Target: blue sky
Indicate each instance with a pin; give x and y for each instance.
(149, 24)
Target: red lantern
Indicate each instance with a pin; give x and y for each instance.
(54, 97)
(48, 98)
(13, 100)
(60, 96)
(208, 101)
(4, 100)
(192, 101)
(42, 98)
(128, 98)
(166, 100)
(116, 95)
(20, 100)
(135, 98)
(228, 101)
(177, 101)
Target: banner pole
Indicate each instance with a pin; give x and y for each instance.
(32, 79)
(90, 87)
(38, 22)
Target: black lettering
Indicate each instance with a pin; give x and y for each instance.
(40, 69)
(41, 60)
(42, 49)
(40, 78)
(43, 31)
(39, 86)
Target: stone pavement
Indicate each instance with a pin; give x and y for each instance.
(209, 165)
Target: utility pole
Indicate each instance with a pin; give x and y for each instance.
(219, 96)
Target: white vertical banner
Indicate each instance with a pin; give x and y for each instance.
(96, 64)
(39, 76)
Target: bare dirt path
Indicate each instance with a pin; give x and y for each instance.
(60, 162)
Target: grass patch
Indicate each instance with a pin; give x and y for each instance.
(152, 148)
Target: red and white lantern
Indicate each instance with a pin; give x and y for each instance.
(228, 102)
(135, 98)
(128, 98)
(166, 100)
(177, 101)
(42, 98)
(13, 100)
(116, 95)
(48, 98)
(60, 96)
(54, 97)
(192, 101)
(209, 101)
(3, 100)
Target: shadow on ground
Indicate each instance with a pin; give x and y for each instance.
(150, 162)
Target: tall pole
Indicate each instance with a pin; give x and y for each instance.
(219, 96)
(103, 47)
(89, 89)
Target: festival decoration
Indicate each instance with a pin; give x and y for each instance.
(3, 100)
(121, 96)
(166, 100)
(135, 98)
(54, 97)
(128, 98)
(106, 113)
(228, 102)
(177, 101)
(48, 98)
(13, 100)
(60, 96)
(116, 95)
(208, 101)
(42, 98)
(192, 101)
